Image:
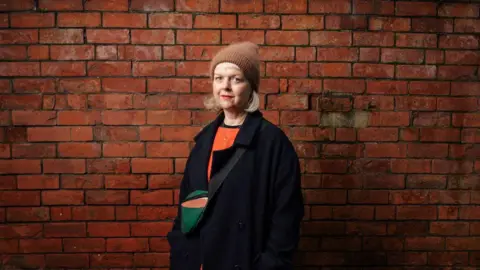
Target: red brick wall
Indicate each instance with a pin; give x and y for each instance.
(100, 100)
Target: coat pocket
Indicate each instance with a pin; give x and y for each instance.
(178, 250)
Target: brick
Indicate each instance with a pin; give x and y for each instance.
(108, 165)
(215, 21)
(9, 36)
(24, 102)
(8, 182)
(79, 85)
(462, 57)
(106, 52)
(168, 85)
(156, 197)
(426, 181)
(367, 197)
(458, 42)
(292, 102)
(373, 39)
(127, 245)
(305, 54)
(17, 5)
(326, 6)
(139, 52)
(304, 86)
(60, 197)
(63, 69)
(20, 230)
(377, 102)
(373, 70)
(34, 86)
(456, 72)
(107, 5)
(385, 150)
(169, 117)
(156, 149)
(75, 166)
(115, 20)
(36, 150)
(299, 118)
(434, 57)
(458, 10)
(108, 229)
(337, 54)
(77, 19)
(65, 230)
(452, 166)
(4, 20)
(93, 213)
(123, 150)
(152, 36)
(429, 88)
(415, 103)
(302, 22)
(329, 69)
(285, 6)
(387, 87)
(37, 182)
(416, 9)
(152, 165)
(111, 36)
(67, 260)
(82, 182)
(26, 214)
(286, 37)
(259, 21)
(466, 120)
(170, 21)
(197, 6)
(32, 20)
(426, 150)
(432, 25)
(40, 245)
(346, 22)
(106, 197)
(59, 5)
(416, 40)
(109, 68)
(414, 212)
(124, 117)
(112, 259)
(344, 85)
(255, 6)
(416, 72)
(457, 104)
(190, 68)
(231, 36)
(71, 52)
(150, 228)
(173, 52)
(411, 166)
(61, 36)
(286, 69)
(389, 24)
(125, 181)
(13, 53)
(402, 56)
(20, 69)
(86, 150)
(123, 85)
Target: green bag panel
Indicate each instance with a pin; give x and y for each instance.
(191, 216)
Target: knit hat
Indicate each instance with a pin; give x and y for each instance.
(245, 56)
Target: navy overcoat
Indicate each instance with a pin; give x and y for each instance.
(254, 221)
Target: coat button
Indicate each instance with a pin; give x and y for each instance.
(237, 267)
(241, 225)
(185, 255)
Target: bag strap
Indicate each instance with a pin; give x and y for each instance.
(218, 178)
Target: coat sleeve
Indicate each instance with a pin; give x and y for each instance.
(284, 229)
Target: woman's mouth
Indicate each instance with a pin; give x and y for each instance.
(226, 97)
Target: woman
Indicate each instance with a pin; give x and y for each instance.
(253, 219)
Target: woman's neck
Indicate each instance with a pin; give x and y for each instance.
(234, 118)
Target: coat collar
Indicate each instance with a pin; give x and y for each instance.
(245, 135)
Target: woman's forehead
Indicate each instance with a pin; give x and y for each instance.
(227, 67)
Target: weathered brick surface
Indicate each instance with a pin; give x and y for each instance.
(100, 101)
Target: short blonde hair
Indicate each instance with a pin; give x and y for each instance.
(211, 103)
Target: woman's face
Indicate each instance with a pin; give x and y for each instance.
(230, 87)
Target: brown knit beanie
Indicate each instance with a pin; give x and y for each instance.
(245, 56)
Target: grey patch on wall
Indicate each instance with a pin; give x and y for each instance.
(354, 118)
